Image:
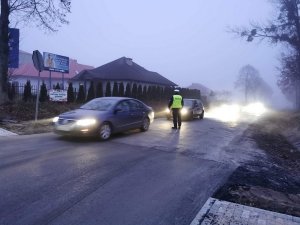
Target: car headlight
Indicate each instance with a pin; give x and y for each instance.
(151, 114)
(167, 110)
(55, 119)
(86, 122)
(184, 111)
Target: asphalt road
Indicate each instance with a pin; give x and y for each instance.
(162, 176)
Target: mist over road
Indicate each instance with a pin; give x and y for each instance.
(162, 176)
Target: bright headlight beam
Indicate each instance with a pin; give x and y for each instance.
(86, 122)
(256, 109)
(184, 111)
(55, 119)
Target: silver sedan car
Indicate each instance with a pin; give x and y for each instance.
(104, 116)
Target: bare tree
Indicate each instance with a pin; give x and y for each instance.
(253, 86)
(287, 81)
(46, 14)
(284, 28)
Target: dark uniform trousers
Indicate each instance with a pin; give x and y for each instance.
(176, 117)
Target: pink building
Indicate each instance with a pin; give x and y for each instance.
(27, 71)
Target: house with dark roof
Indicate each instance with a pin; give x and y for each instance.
(121, 70)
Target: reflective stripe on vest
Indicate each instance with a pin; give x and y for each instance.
(176, 102)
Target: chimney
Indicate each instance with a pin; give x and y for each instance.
(128, 61)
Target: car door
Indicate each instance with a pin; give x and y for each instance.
(122, 116)
(137, 113)
(200, 107)
(196, 107)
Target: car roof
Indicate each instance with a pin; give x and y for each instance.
(192, 99)
(114, 98)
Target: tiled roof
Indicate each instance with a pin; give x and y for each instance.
(123, 69)
(27, 69)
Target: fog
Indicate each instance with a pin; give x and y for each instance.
(185, 41)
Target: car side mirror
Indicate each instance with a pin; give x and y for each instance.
(117, 110)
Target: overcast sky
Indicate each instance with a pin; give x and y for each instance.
(185, 41)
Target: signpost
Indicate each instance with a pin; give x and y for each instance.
(37, 59)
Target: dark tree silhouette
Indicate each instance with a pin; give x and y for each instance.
(71, 96)
(128, 90)
(115, 91)
(140, 92)
(134, 91)
(108, 90)
(81, 94)
(43, 93)
(144, 95)
(121, 89)
(57, 86)
(99, 90)
(27, 91)
(91, 92)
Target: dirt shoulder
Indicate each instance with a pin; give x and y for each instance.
(20, 118)
(271, 182)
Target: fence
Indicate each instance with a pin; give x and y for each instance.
(16, 91)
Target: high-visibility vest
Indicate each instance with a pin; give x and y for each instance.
(176, 102)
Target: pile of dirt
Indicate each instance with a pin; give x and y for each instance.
(271, 183)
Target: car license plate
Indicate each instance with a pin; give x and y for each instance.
(63, 128)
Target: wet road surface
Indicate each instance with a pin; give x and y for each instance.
(162, 176)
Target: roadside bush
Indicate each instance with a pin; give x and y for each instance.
(27, 91)
(81, 94)
(43, 93)
(108, 90)
(99, 90)
(70, 92)
(91, 92)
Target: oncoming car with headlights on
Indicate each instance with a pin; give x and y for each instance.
(193, 108)
(101, 117)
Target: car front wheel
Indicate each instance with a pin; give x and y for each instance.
(105, 131)
(146, 124)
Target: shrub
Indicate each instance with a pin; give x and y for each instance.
(43, 93)
(71, 96)
(91, 92)
(81, 94)
(99, 90)
(27, 91)
(108, 89)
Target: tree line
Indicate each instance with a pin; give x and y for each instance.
(151, 93)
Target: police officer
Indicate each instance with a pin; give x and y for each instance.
(175, 104)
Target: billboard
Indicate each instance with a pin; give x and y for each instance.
(13, 44)
(57, 63)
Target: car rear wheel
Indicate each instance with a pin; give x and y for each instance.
(201, 115)
(146, 124)
(105, 131)
(191, 116)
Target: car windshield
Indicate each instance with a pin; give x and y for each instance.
(188, 102)
(99, 104)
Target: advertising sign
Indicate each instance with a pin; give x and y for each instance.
(57, 63)
(58, 95)
(13, 44)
